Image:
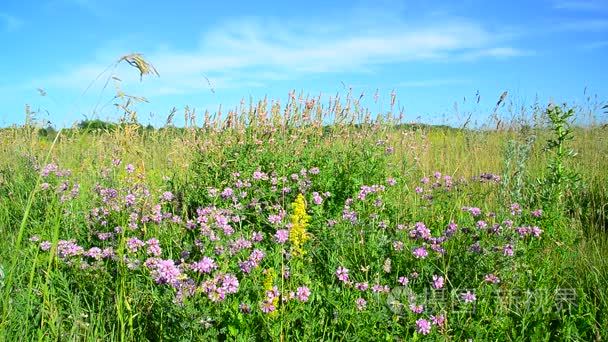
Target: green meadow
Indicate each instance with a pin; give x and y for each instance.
(305, 221)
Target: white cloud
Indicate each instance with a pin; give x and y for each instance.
(251, 52)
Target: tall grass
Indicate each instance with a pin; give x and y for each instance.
(380, 185)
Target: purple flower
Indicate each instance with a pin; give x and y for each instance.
(281, 235)
(391, 181)
(403, 281)
(228, 192)
(205, 265)
(491, 278)
(437, 248)
(437, 282)
(342, 274)
(213, 192)
(522, 231)
(316, 198)
(130, 168)
(239, 244)
(507, 250)
(438, 320)
(45, 245)
(94, 252)
(361, 304)
(303, 293)
(536, 231)
(515, 209)
(379, 288)
(257, 236)
(230, 283)
(417, 309)
(420, 253)
(475, 248)
(448, 181)
(475, 211)
(218, 294)
(272, 294)
(167, 196)
(423, 326)
(130, 200)
(349, 215)
(275, 219)
(267, 306)
(314, 171)
(165, 272)
(468, 297)
(62, 187)
(420, 231)
(537, 213)
(153, 247)
(256, 255)
(246, 266)
(134, 244)
(52, 167)
(257, 175)
(108, 253)
(362, 286)
(68, 248)
(105, 236)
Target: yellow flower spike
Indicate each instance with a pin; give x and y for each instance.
(300, 221)
(268, 279)
(269, 275)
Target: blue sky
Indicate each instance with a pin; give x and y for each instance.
(435, 55)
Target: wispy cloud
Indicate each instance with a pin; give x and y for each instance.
(495, 52)
(97, 9)
(596, 45)
(252, 52)
(581, 5)
(9, 22)
(586, 25)
(432, 83)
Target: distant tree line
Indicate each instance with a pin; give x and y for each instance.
(98, 126)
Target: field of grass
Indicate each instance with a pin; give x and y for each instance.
(268, 225)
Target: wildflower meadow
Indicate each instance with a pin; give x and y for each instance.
(305, 221)
(294, 223)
